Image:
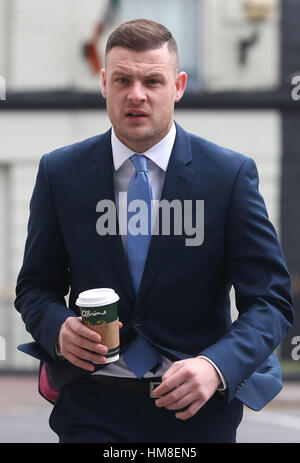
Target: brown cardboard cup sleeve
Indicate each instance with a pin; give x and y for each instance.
(99, 311)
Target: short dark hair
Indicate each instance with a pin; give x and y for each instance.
(142, 35)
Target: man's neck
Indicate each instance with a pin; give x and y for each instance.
(144, 145)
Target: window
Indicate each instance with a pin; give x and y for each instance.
(184, 19)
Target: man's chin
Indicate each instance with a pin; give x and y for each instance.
(141, 137)
(136, 135)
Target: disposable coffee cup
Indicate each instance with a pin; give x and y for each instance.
(99, 312)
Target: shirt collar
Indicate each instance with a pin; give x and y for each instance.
(159, 153)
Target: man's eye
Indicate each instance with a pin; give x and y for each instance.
(153, 81)
(122, 80)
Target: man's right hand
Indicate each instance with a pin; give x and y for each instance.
(80, 345)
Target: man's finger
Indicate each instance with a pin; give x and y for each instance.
(79, 328)
(191, 411)
(85, 343)
(175, 397)
(173, 368)
(78, 362)
(85, 354)
(167, 385)
(181, 403)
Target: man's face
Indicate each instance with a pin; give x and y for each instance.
(140, 89)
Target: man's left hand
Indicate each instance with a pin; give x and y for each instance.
(191, 382)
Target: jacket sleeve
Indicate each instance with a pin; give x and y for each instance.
(257, 270)
(43, 281)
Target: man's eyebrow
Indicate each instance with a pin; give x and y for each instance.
(151, 75)
(119, 72)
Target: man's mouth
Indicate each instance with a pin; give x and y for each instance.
(136, 114)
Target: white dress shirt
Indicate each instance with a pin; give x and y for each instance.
(158, 159)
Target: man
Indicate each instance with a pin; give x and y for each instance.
(174, 303)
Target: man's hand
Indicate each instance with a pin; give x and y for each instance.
(81, 345)
(187, 382)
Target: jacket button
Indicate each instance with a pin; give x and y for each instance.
(138, 321)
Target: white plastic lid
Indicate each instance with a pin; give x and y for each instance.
(97, 297)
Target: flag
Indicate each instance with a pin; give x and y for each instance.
(90, 50)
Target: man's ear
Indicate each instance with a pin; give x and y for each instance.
(103, 83)
(180, 85)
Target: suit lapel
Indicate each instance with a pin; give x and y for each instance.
(177, 182)
(100, 180)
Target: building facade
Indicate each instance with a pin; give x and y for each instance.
(240, 61)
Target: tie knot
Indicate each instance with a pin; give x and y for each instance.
(140, 162)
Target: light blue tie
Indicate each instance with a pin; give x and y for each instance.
(140, 356)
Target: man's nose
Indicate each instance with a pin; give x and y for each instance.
(136, 93)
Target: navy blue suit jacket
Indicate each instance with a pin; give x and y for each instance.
(183, 305)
